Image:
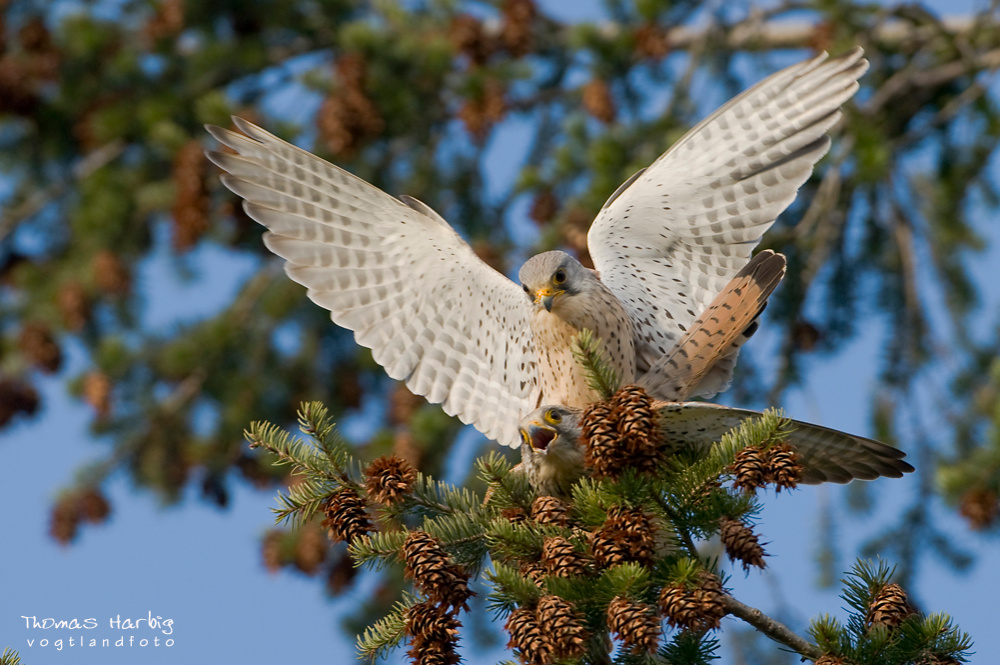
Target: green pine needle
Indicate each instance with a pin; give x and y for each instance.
(589, 352)
(10, 657)
(386, 633)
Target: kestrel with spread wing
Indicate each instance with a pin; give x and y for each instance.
(490, 351)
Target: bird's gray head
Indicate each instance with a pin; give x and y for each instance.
(551, 430)
(551, 278)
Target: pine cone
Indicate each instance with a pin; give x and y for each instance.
(191, 204)
(340, 575)
(830, 659)
(627, 535)
(484, 110)
(598, 102)
(696, 609)
(784, 468)
(563, 625)
(310, 550)
(635, 624)
(16, 397)
(651, 42)
(609, 548)
(980, 507)
(889, 607)
(93, 506)
(603, 453)
(544, 206)
(516, 31)
(39, 347)
(433, 572)
(534, 571)
(468, 37)
(515, 514)
(434, 633)
(527, 636)
(750, 469)
(348, 117)
(346, 518)
(389, 479)
(637, 425)
(110, 273)
(561, 559)
(97, 392)
(550, 510)
(74, 305)
(271, 550)
(741, 543)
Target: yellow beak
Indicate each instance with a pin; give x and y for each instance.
(546, 296)
(538, 436)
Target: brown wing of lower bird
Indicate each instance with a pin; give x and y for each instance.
(727, 320)
(826, 455)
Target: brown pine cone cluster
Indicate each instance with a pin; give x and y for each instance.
(517, 26)
(485, 109)
(16, 397)
(348, 116)
(552, 631)
(87, 505)
(550, 510)
(699, 608)
(191, 203)
(621, 434)
(741, 543)
(981, 507)
(561, 559)
(755, 467)
(527, 637)
(432, 570)
(830, 659)
(468, 37)
(39, 347)
(433, 633)
(889, 607)
(340, 575)
(346, 518)
(389, 479)
(635, 624)
(626, 535)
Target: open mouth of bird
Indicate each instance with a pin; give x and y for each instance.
(541, 437)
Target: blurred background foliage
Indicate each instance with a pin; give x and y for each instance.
(493, 113)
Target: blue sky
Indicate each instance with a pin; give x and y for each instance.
(200, 567)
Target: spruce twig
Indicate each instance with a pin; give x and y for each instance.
(601, 376)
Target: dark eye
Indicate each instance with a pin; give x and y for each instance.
(559, 277)
(526, 289)
(553, 416)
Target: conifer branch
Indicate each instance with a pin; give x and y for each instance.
(387, 632)
(776, 630)
(588, 351)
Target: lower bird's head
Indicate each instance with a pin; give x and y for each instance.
(551, 279)
(551, 430)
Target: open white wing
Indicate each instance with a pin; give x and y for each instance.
(827, 455)
(434, 314)
(672, 237)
